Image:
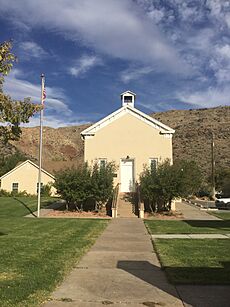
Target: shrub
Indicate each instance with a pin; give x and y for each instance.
(102, 184)
(4, 193)
(46, 189)
(20, 194)
(74, 186)
(159, 186)
(79, 187)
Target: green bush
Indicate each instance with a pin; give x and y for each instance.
(80, 186)
(159, 186)
(102, 184)
(74, 186)
(4, 193)
(20, 194)
(46, 189)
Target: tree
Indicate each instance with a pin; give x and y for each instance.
(12, 112)
(188, 176)
(77, 186)
(102, 183)
(222, 180)
(159, 186)
(7, 163)
(74, 186)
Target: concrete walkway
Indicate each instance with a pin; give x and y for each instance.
(45, 211)
(120, 269)
(192, 236)
(191, 212)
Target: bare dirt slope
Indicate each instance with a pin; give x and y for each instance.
(63, 147)
(192, 139)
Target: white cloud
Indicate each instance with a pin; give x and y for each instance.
(84, 64)
(211, 97)
(117, 28)
(56, 113)
(18, 88)
(32, 49)
(227, 19)
(53, 121)
(224, 51)
(130, 74)
(156, 15)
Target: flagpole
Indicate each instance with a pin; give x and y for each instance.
(40, 144)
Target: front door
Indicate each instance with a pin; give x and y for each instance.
(127, 175)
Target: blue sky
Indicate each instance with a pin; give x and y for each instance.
(174, 54)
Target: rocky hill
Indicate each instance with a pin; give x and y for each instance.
(192, 139)
(63, 147)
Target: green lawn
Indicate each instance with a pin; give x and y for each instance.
(187, 226)
(221, 215)
(195, 261)
(35, 254)
(21, 206)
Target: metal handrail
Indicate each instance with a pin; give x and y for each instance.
(138, 196)
(115, 197)
(140, 204)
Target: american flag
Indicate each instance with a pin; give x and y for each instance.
(43, 95)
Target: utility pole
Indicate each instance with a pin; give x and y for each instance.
(213, 166)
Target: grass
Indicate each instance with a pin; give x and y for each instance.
(195, 261)
(36, 254)
(221, 215)
(21, 206)
(187, 226)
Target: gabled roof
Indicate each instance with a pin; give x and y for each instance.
(128, 92)
(122, 111)
(22, 164)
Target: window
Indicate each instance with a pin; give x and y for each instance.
(153, 163)
(102, 162)
(41, 186)
(128, 99)
(15, 187)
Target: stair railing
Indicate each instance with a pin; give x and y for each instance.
(115, 201)
(140, 204)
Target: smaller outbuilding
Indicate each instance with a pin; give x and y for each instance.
(24, 177)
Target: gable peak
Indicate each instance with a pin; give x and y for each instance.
(128, 98)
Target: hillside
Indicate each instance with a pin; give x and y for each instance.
(63, 147)
(192, 139)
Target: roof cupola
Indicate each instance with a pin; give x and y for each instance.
(128, 98)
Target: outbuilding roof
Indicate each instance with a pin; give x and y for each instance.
(21, 165)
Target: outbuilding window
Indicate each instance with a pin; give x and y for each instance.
(41, 186)
(15, 187)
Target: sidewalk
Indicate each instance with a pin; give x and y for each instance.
(192, 236)
(191, 212)
(120, 269)
(45, 211)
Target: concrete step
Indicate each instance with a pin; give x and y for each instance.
(126, 205)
